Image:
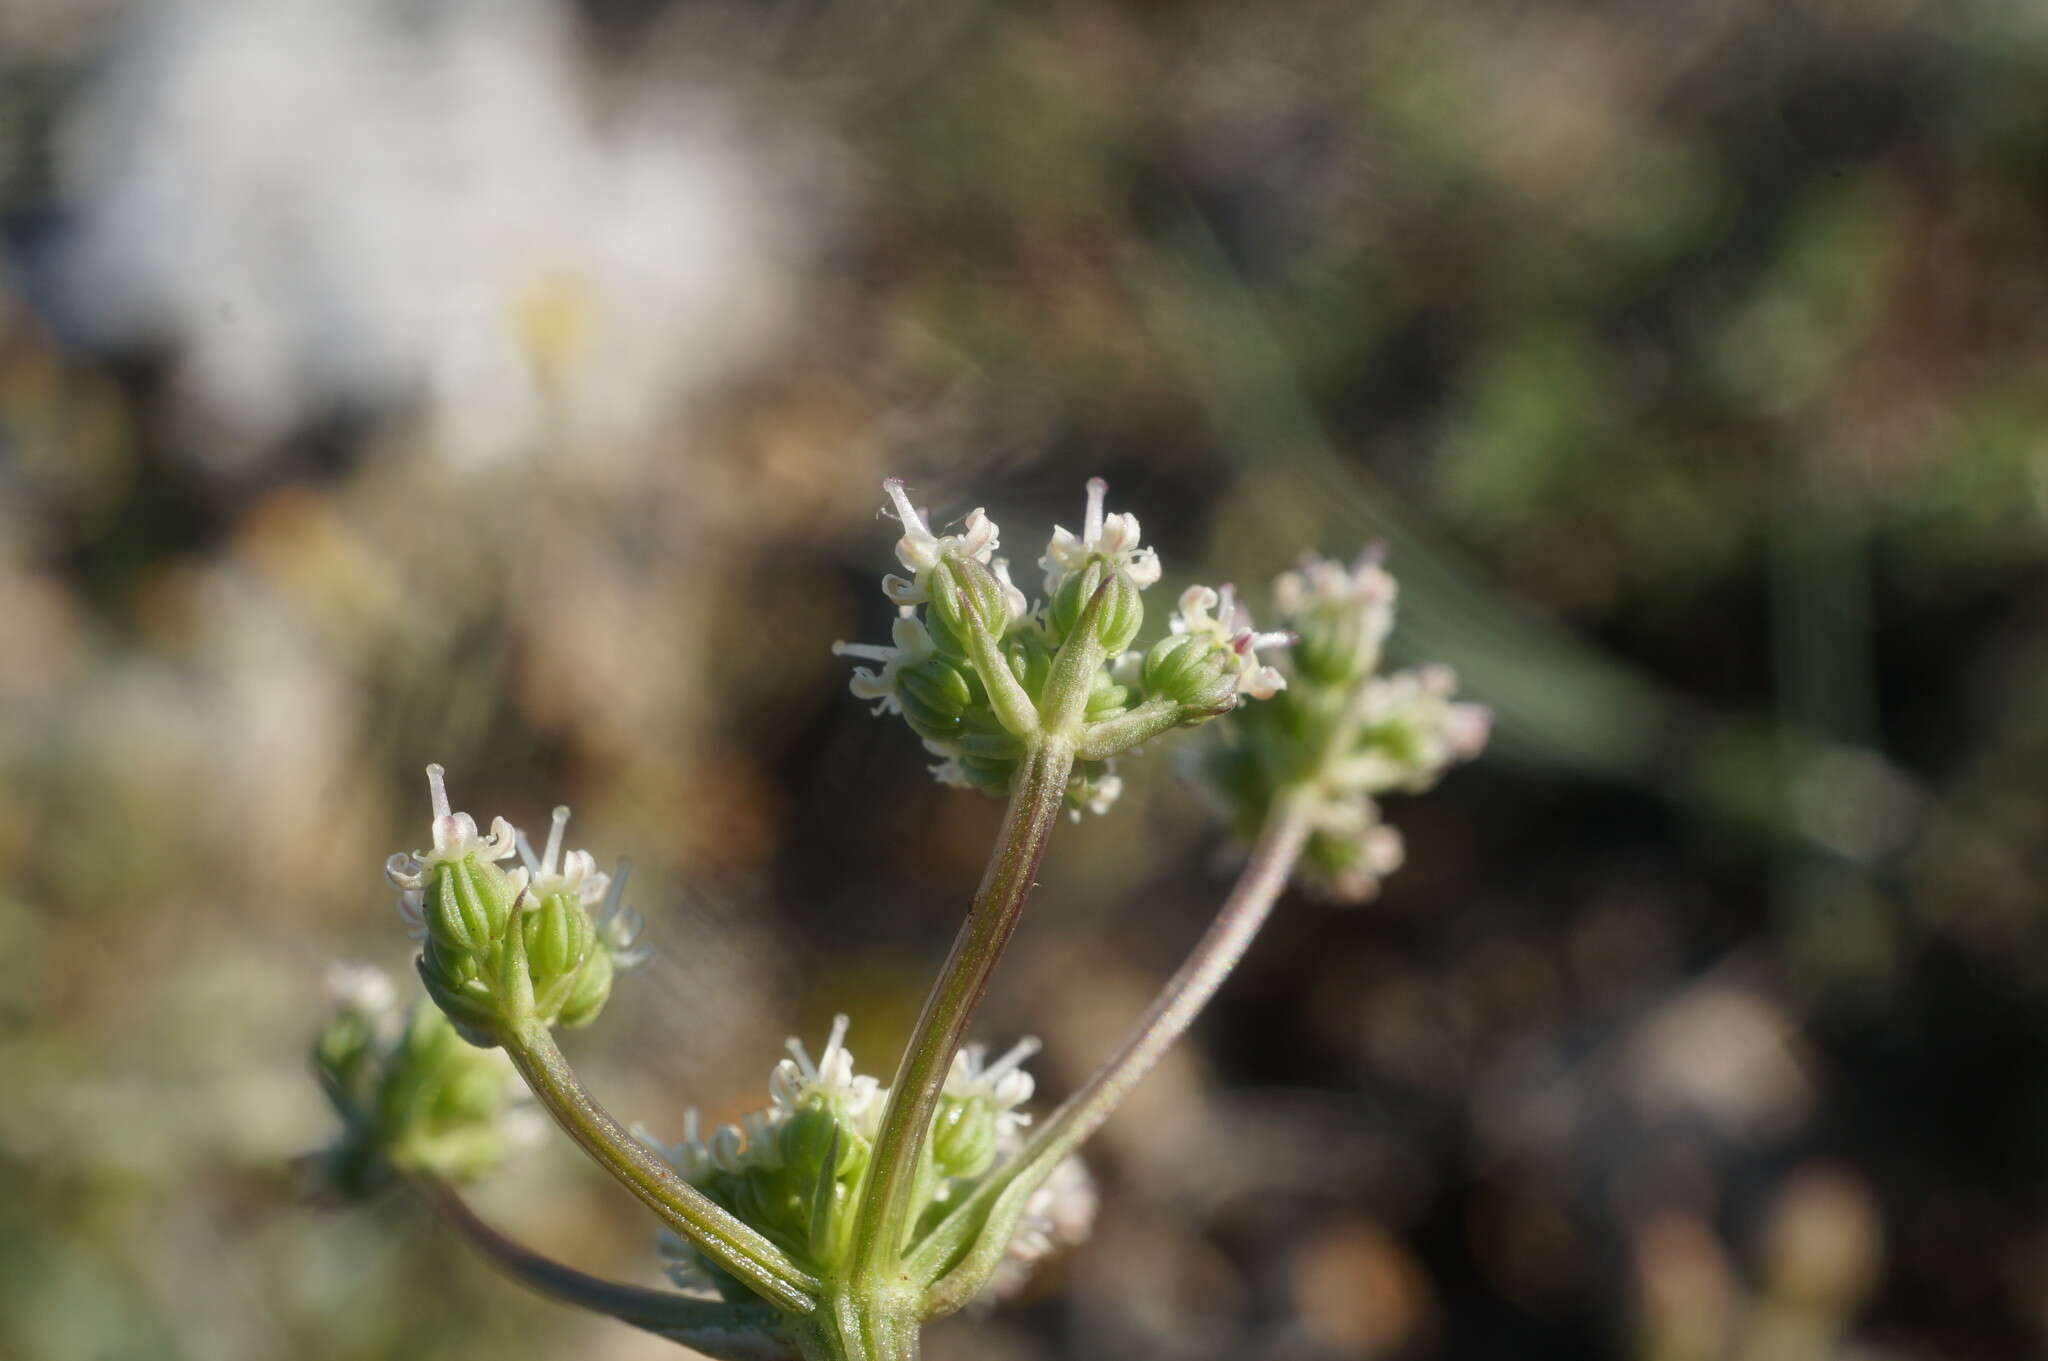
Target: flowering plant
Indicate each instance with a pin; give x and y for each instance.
(838, 1219)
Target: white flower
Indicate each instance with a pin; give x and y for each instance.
(1352, 819)
(1014, 603)
(1434, 733)
(1323, 581)
(1231, 626)
(1003, 1084)
(1095, 795)
(913, 645)
(919, 550)
(455, 840)
(575, 873)
(737, 1149)
(439, 252)
(363, 989)
(619, 926)
(1112, 537)
(948, 771)
(854, 1098)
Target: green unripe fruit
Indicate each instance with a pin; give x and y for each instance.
(1030, 661)
(771, 1199)
(344, 1043)
(471, 1093)
(1105, 698)
(468, 904)
(964, 1138)
(1332, 646)
(455, 980)
(806, 1140)
(1195, 670)
(592, 989)
(990, 774)
(558, 938)
(964, 593)
(1116, 623)
(934, 695)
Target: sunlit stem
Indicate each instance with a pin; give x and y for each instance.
(730, 1332)
(884, 1219)
(749, 1257)
(989, 1217)
(1107, 737)
(1178, 1003)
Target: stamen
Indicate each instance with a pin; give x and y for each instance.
(836, 1040)
(615, 891)
(560, 819)
(1091, 528)
(802, 1057)
(905, 512)
(872, 652)
(437, 789)
(1018, 1052)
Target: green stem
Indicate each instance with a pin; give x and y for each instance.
(727, 1332)
(765, 1268)
(858, 1328)
(1110, 736)
(885, 1210)
(999, 1201)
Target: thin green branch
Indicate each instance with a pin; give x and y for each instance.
(749, 1257)
(718, 1329)
(1000, 1200)
(1107, 737)
(884, 1219)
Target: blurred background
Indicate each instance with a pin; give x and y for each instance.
(508, 383)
